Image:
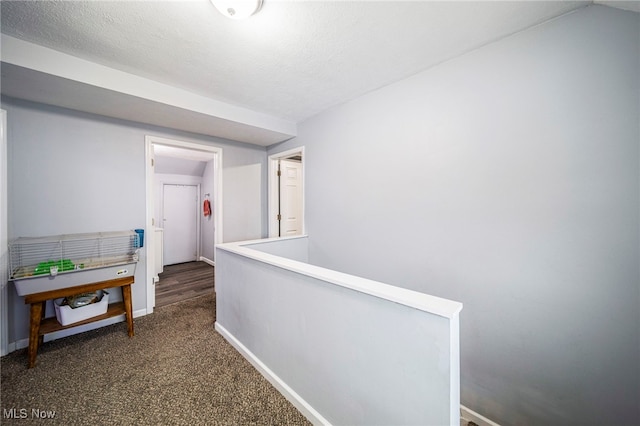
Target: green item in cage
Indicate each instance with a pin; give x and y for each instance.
(45, 267)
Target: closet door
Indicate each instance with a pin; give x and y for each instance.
(180, 215)
(290, 198)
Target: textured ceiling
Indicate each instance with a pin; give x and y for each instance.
(292, 60)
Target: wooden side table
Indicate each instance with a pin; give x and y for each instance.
(39, 326)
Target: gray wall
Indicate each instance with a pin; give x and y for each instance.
(243, 214)
(512, 175)
(296, 248)
(207, 224)
(71, 172)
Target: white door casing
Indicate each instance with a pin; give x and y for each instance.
(290, 198)
(152, 222)
(274, 189)
(180, 223)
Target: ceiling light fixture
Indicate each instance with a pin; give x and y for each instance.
(237, 9)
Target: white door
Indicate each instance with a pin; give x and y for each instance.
(290, 198)
(180, 215)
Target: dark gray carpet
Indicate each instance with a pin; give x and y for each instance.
(176, 370)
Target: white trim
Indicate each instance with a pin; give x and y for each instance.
(150, 224)
(303, 406)
(272, 185)
(454, 377)
(150, 141)
(209, 261)
(435, 305)
(272, 197)
(467, 415)
(4, 229)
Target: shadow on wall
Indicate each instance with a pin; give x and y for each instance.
(242, 202)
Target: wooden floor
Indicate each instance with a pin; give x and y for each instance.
(183, 281)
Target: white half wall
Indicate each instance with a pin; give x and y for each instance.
(294, 248)
(344, 350)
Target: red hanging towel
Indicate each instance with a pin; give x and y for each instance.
(207, 208)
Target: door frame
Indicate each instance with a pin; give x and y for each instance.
(273, 189)
(151, 220)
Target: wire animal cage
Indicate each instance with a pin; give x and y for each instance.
(40, 264)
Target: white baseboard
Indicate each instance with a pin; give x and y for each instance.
(23, 343)
(467, 415)
(209, 261)
(303, 406)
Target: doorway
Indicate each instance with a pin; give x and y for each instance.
(211, 183)
(184, 281)
(286, 193)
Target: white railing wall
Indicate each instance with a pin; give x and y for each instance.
(342, 349)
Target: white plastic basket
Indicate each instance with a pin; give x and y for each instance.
(67, 315)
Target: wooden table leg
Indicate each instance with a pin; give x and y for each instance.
(44, 311)
(34, 332)
(126, 298)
